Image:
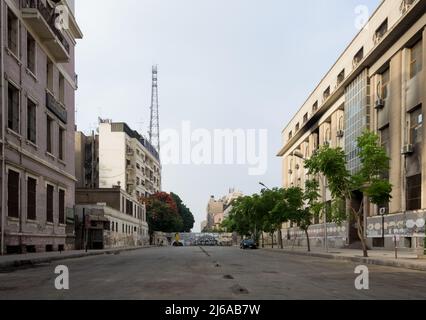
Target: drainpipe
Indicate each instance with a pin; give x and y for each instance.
(3, 134)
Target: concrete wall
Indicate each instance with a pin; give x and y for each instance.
(112, 157)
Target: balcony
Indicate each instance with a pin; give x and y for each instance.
(54, 106)
(41, 18)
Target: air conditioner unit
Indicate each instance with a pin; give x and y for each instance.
(380, 104)
(407, 149)
(340, 133)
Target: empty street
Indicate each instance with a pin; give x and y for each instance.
(206, 273)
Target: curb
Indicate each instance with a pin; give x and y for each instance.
(372, 261)
(11, 265)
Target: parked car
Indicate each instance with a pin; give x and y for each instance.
(248, 244)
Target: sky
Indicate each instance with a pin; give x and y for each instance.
(223, 64)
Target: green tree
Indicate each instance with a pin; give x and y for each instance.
(303, 216)
(331, 163)
(184, 212)
(162, 213)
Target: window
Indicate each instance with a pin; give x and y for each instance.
(49, 123)
(13, 108)
(49, 75)
(129, 208)
(416, 57)
(414, 192)
(61, 89)
(358, 57)
(315, 107)
(326, 93)
(49, 203)
(385, 84)
(31, 53)
(297, 127)
(341, 77)
(12, 32)
(112, 226)
(305, 118)
(61, 138)
(31, 199)
(13, 194)
(416, 126)
(61, 207)
(290, 135)
(380, 32)
(31, 121)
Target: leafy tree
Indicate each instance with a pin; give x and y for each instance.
(162, 213)
(331, 163)
(184, 212)
(304, 217)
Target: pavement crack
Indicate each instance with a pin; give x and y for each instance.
(207, 254)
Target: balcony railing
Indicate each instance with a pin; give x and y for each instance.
(53, 105)
(49, 15)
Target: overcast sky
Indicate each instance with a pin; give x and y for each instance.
(246, 64)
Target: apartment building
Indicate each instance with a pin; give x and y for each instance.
(219, 209)
(117, 155)
(378, 83)
(109, 218)
(38, 85)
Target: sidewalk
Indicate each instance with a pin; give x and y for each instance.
(405, 260)
(14, 261)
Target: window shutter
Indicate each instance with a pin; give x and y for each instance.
(13, 194)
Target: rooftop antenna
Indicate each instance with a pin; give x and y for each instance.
(154, 125)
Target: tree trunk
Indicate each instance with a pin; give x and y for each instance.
(280, 237)
(263, 241)
(307, 238)
(360, 230)
(272, 238)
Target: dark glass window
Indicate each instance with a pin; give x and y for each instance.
(416, 59)
(31, 53)
(13, 108)
(12, 32)
(13, 194)
(31, 199)
(31, 121)
(49, 122)
(61, 206)
(414, 192)
(416, 126)
(49, 203)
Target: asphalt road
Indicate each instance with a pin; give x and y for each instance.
(210, 273)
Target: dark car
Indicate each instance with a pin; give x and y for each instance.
(248, 244)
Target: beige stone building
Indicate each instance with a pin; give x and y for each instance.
(38, 83)
(378, 83)
(109, 218)
(117, 155)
